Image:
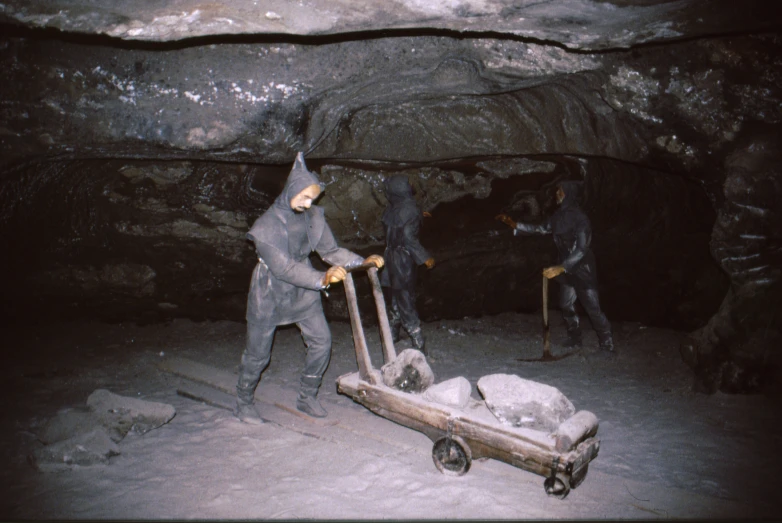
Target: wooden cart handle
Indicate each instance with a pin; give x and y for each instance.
(389, 351)
(362, 267)
(359, 340)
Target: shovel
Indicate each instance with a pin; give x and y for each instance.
(547, 356)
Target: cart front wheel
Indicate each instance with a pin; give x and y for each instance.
(452, 456)
(557, 486)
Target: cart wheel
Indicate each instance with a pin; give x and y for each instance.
(558, 486)
(452, 456)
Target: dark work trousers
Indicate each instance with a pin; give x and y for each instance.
(257, 353)
(403, 303)
(590, 300)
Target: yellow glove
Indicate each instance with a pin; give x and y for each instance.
(334, 275)
(553, 272)
(376, 259)
(507, 220)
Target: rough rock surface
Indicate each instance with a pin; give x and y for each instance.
(454, 392)
(590, 24)
(525, 403)
(94, 447)
(66, 424)
(409, 372)
(89, 435)
(129, 414)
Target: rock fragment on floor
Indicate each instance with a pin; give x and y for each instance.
(88, 435)
(85, 449)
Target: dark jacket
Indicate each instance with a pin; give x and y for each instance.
(572, 236)
(402, 222)
(285, 287)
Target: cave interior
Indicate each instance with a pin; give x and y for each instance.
(140, 141)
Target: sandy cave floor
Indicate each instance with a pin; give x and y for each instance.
(666, 452)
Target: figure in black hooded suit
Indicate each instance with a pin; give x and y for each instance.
(402, 221)
(285, 288)
(577, 271)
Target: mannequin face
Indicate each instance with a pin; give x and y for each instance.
(560, 195)
(303, 201)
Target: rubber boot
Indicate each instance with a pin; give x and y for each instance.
(307, 402)
(395, 320)
(573, 338)
(246, 410)
(418, 341)
(606, 342)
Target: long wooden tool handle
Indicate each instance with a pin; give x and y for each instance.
(545, 302)
(546, 332)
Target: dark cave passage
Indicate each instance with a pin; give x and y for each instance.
(148, 241)
(651, 235)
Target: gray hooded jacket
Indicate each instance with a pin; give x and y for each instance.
(284, 288)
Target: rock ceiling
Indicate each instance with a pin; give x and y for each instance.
(254, 81)
(575, 24)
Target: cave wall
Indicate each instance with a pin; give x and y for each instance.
(155, 240)
(131, 169)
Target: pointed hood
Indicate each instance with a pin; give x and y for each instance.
(402, 205)
(397, 189)
(299, 179)
(569, 213)
(572, 192)
(282, 227)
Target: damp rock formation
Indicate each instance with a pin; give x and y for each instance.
(139, 140)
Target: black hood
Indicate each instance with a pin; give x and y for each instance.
(402, 205)
(572, 192)
(569, 214)
(398, 189)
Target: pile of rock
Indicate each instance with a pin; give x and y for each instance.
(89, 435)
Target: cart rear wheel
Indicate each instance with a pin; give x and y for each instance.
(452, 456)
(558, 486)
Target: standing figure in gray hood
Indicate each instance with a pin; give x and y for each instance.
(285, 288)
(577, 271)
(402, 222)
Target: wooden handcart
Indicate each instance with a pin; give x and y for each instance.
(462, 434)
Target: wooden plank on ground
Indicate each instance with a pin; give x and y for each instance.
(210, 396)
(207, 395)
(219, 379)
(224, 383)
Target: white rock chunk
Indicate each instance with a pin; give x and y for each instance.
(454, 392)
(525, 403)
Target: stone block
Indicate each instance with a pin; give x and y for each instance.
(409, 372)
(525, 403)
(454, 392)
